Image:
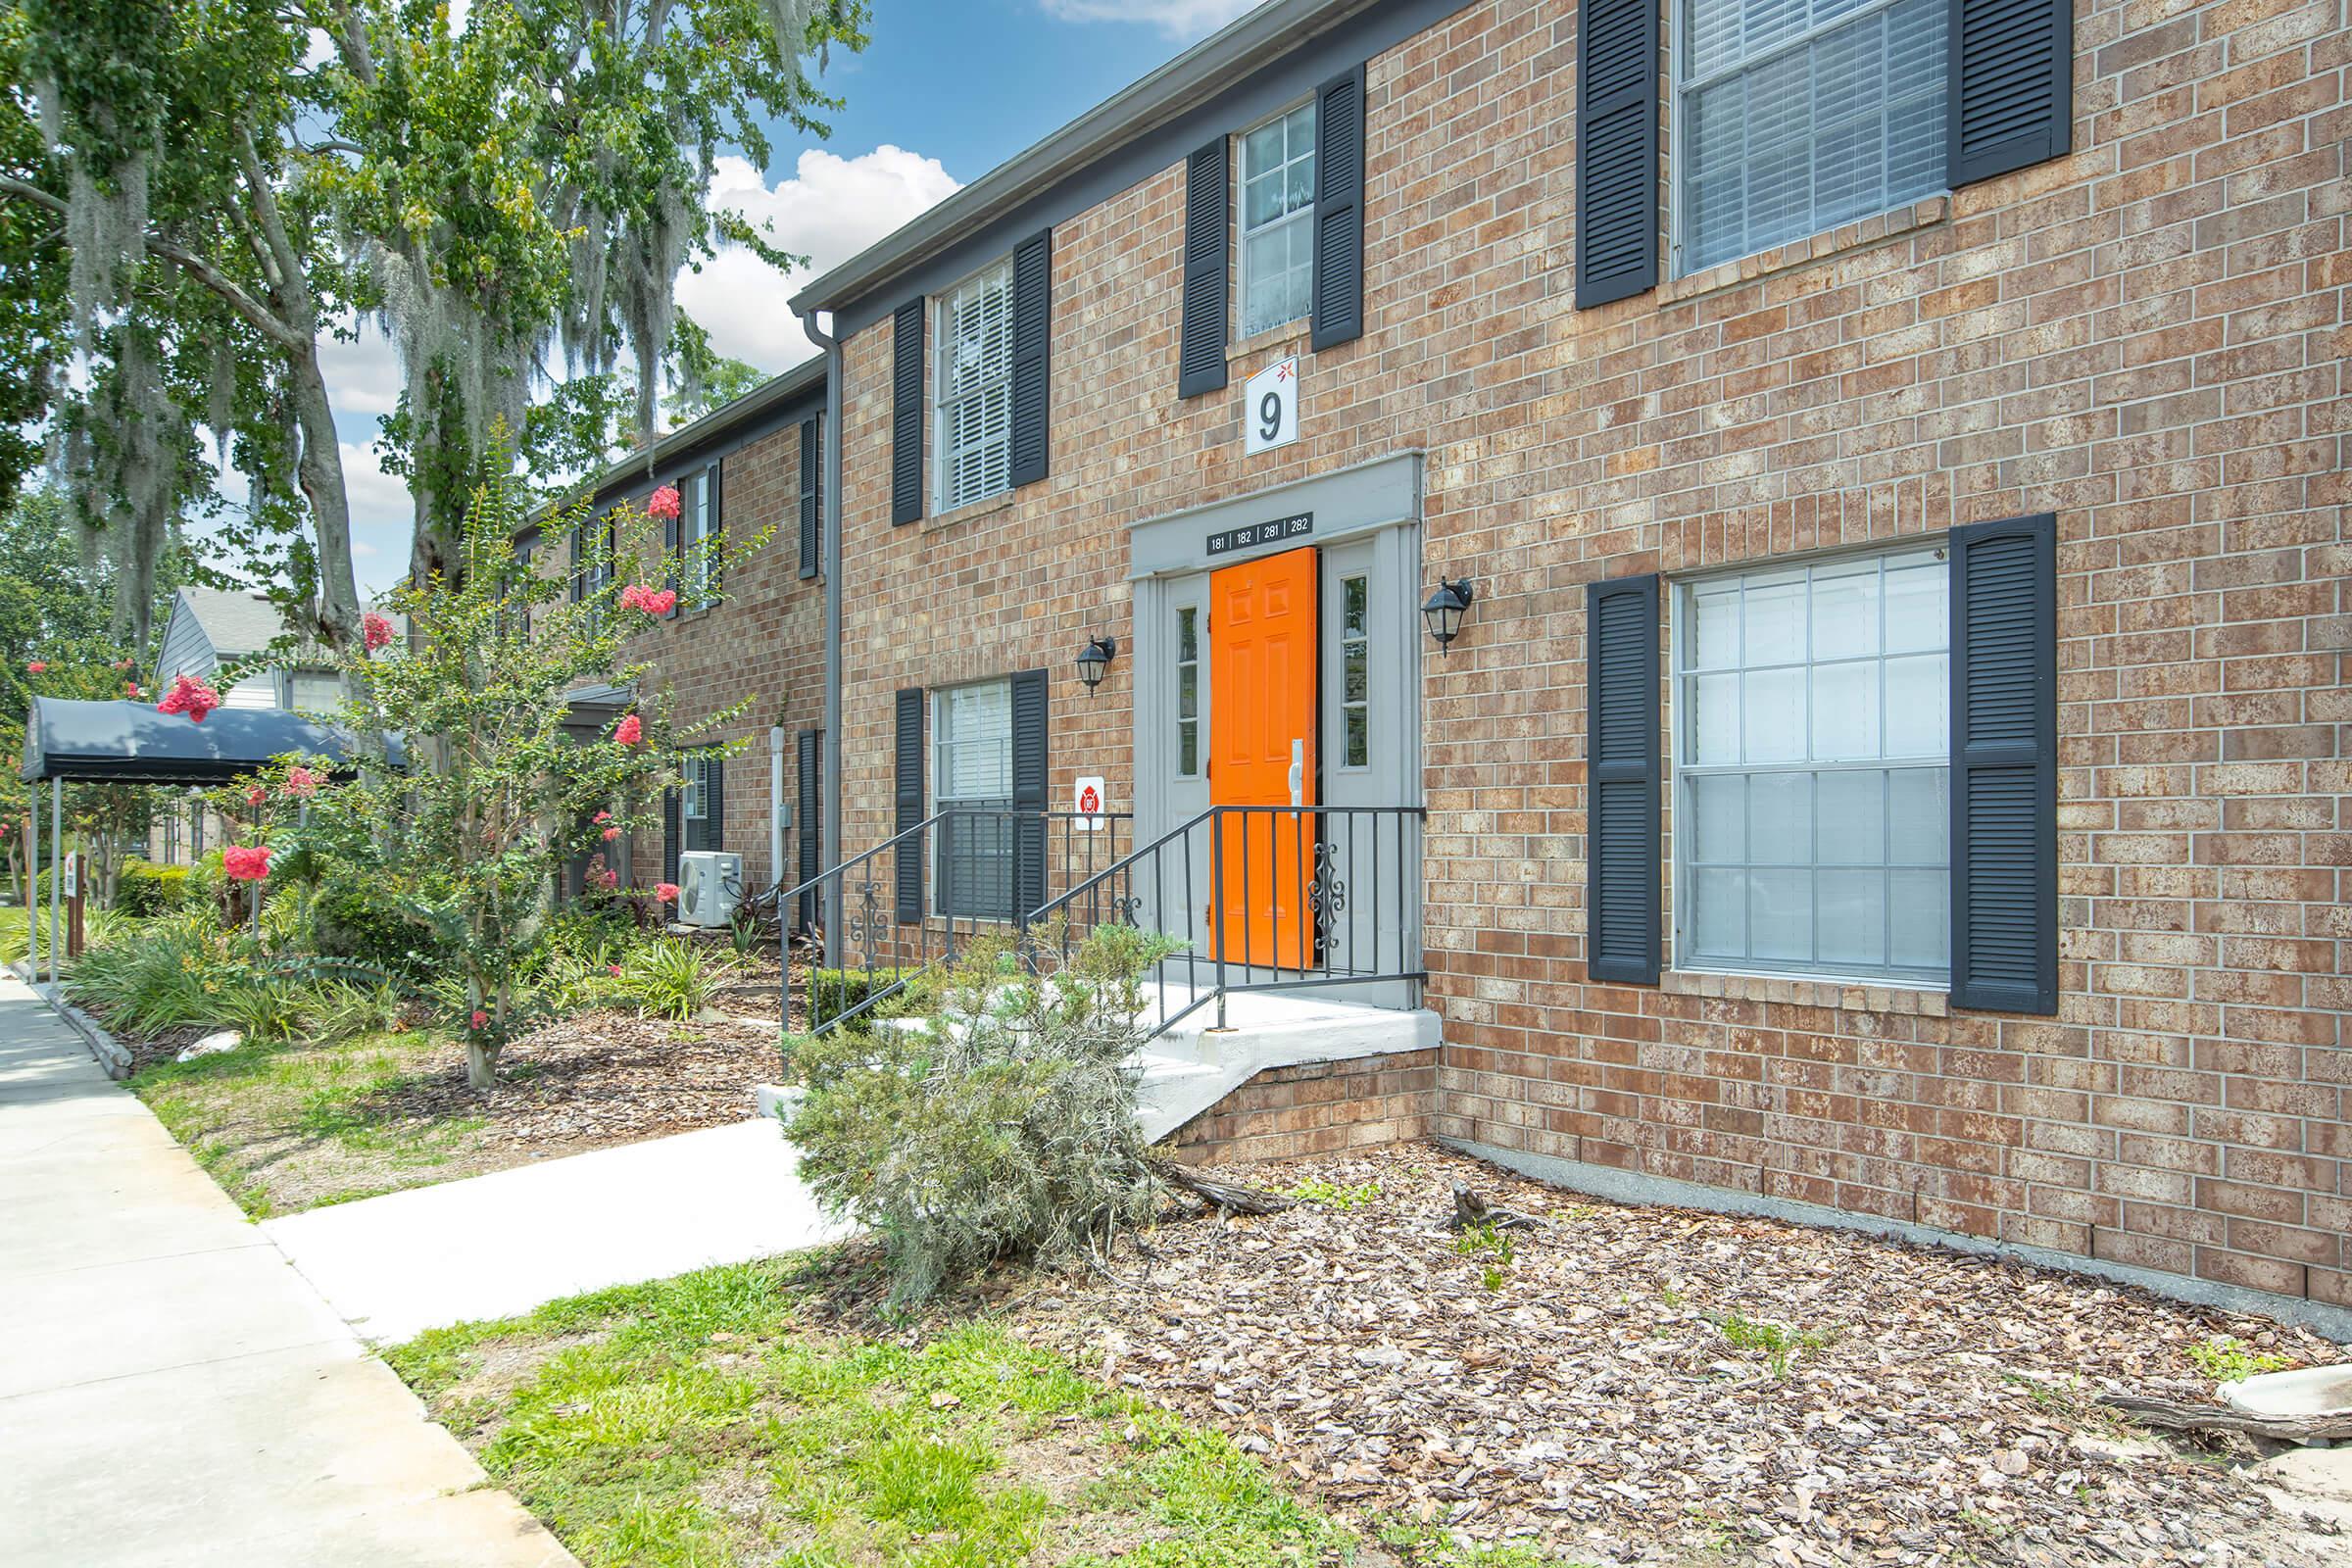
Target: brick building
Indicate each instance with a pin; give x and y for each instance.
(1885, 464)
(760, 633)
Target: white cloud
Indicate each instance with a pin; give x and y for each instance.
(1178, 18)
(365, 374)
(828, 210)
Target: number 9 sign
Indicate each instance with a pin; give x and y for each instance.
(1270, 408)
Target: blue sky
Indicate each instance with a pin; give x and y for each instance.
(947, 90)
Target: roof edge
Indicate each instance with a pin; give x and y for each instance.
(802, 379)
(1207, 69)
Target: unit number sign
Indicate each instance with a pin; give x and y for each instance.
(1270, 408)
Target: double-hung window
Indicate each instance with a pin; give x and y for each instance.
(694, 799)
(697, 522)
(1796, 116)
(1812, 770)
(973, 376)
(971, 729)
(1278, 230)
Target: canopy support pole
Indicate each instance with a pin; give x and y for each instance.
(33, 887)
(57, 864)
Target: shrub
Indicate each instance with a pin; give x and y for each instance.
(144, 890)
(351, 919)
(671, 979)
(1005, 1128)
(834, 992)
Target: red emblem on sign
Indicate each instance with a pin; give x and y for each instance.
(1089, 801)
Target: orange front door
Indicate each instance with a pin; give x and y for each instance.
(1261, 752)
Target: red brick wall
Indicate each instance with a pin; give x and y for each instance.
(764, 641)
(2144, 337)
(1322, 1108)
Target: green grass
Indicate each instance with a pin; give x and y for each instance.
(1779, 1342)
(1329, 1194)
(2228, 1359)
(283, 1128)
(706, 1421)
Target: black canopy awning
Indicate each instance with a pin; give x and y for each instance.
(131, 743)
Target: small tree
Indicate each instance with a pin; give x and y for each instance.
(496, 795)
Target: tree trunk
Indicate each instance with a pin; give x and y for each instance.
(321, 474)
(481, 1064)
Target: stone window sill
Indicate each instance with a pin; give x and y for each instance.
(972, 511)
(1284, 340)
(1849, 995)
(1858, 235)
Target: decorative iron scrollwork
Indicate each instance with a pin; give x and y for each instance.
(865, 927)
(1326, 894)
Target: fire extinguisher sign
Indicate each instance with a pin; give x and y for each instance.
(1087, 800)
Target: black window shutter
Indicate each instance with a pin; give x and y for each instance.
(670, 806)
(714, 832)
(2005, 765)
(1208, 242)
(672, 531)
(579, 551)
(1029, 692)
(1032, 355)
(2009, 70)
(1616, 150)
(811, 464)
(716, 534)
(908, 771)
(807, 824)
(906, 414)
(1622, 765)
(1339, 288)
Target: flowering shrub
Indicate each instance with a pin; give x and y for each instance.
(663, 505)
(376, 630)
(38, 666)
(665, 892)
(654, 602)
(246, 862)
(190, 696)
(470, 841)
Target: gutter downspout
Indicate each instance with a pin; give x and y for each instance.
(830, 796)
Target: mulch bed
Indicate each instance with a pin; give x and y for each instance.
(1586, 1396)
(596, 1078)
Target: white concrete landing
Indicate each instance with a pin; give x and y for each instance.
(1196, 1064)
(495, 1246)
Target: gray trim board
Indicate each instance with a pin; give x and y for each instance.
(1633, 1187)
(1275, 55)
(1346, 503)
(758, 413)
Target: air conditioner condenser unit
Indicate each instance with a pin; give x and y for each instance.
(710, 882)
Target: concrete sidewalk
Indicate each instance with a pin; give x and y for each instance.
(170, 1391)
(498, 1244)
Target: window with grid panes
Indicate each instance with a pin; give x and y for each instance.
(1355, 672)
(971, 746)
(1812, 770)
(1188, 691)
(1278, 231)
(974, 375)
(1796, 116)
(695, 517)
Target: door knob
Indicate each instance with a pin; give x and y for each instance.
(1297, 772)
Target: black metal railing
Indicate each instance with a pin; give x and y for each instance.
(1262, 898)
(864, 929)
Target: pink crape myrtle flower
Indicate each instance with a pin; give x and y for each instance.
(604, 816)
(190, 696)
(301, 783)
(610, 834)
(246, 862)
(651, 601)
(256, 796)
(374, 630)
(131, 688)
(628, 731)
(665, 892)
(479, 1017)
(37, 667)
(663, 503)
(608, 880)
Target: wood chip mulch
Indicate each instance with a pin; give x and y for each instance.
(596, 1078)
(1586, 1395)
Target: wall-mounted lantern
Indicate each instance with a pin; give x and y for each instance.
(1094, 659)
(1443, 610)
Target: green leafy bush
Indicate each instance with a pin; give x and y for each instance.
(671, 979)
(353, 919)
(834, 992)
(1007, 1127)
(143, 891)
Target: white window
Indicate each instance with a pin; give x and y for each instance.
(1796, 116)
(971, 746)
(1355, 672)
(1188, 691)
(1812, 770)
(974, 375)
(315, 691)
(1278, 229)
(698, 520)
(693, 795)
